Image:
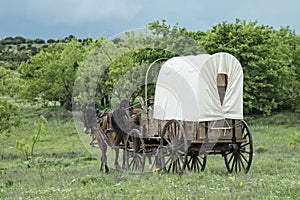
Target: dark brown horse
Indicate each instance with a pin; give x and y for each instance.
(111, 129)
(115, 126)
(90, 126)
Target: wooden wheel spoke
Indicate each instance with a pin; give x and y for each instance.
(130, 164)
(181, 158)
(247, 152)
(177, 166)
(243, 129)
(173, 166)
(173, 147)
(196, 163)
(164, 151)
(168, 141)
(243, 145)
(135, 155)
(180, 152)
(190, 160)
(245, 135)
(199, 161)
(193, 163)
(228, 152)
(180, 164)
(236, 160)
(243, 165)
(239, 157)
(168, 170)
(232, 156)
(239, 162)
(197, 167)
(246, 160)
(135, 164)
(180, 146)
(170, 159)
(232, 164)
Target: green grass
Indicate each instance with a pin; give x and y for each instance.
(64, 169)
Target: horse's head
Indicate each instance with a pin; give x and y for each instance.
(89, 117)
(124, 104)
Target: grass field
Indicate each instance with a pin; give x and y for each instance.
(62, 168)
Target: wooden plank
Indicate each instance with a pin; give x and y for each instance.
(201, 141)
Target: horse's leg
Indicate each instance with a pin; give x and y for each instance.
(101, 165)
(125, 152)
(116, 146)
(106, 169)
(103, 148)
(119, 139)
(104, 158)
(117, 165)
(149, 158)
(103, 162)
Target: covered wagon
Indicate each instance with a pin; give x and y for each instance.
(201, 98)
(197, 111)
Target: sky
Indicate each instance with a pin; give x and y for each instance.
(105, 18)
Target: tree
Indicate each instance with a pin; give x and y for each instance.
(265, 55)
(8, 109)
(49, 75)
(39, 41)
(117, 68)
(51, 41)
(19, 40)
(295, 96)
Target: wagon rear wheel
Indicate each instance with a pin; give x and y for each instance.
(135, 152)
(173, 147)
(239, 155)
(196, 162)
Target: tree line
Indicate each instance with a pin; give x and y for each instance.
(39, 71)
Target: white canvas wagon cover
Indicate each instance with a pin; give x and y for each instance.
(186, 88)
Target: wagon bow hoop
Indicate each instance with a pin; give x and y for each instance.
(146, 86)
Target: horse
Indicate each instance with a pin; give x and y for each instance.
(115, 126)
(112, 129)
(90, 126)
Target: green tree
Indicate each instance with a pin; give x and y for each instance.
(39, 41)
(295, 97)
(49, 75)
(8, 108)
(117, 68)
(266, 57)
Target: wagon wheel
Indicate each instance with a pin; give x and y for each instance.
(173, 147)
(196, 162)
(135, 152)
(239, 156)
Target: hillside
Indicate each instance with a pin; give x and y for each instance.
(14, 50)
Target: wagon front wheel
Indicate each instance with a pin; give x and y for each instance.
(173, 147)
(239, 155)
(135, 152)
